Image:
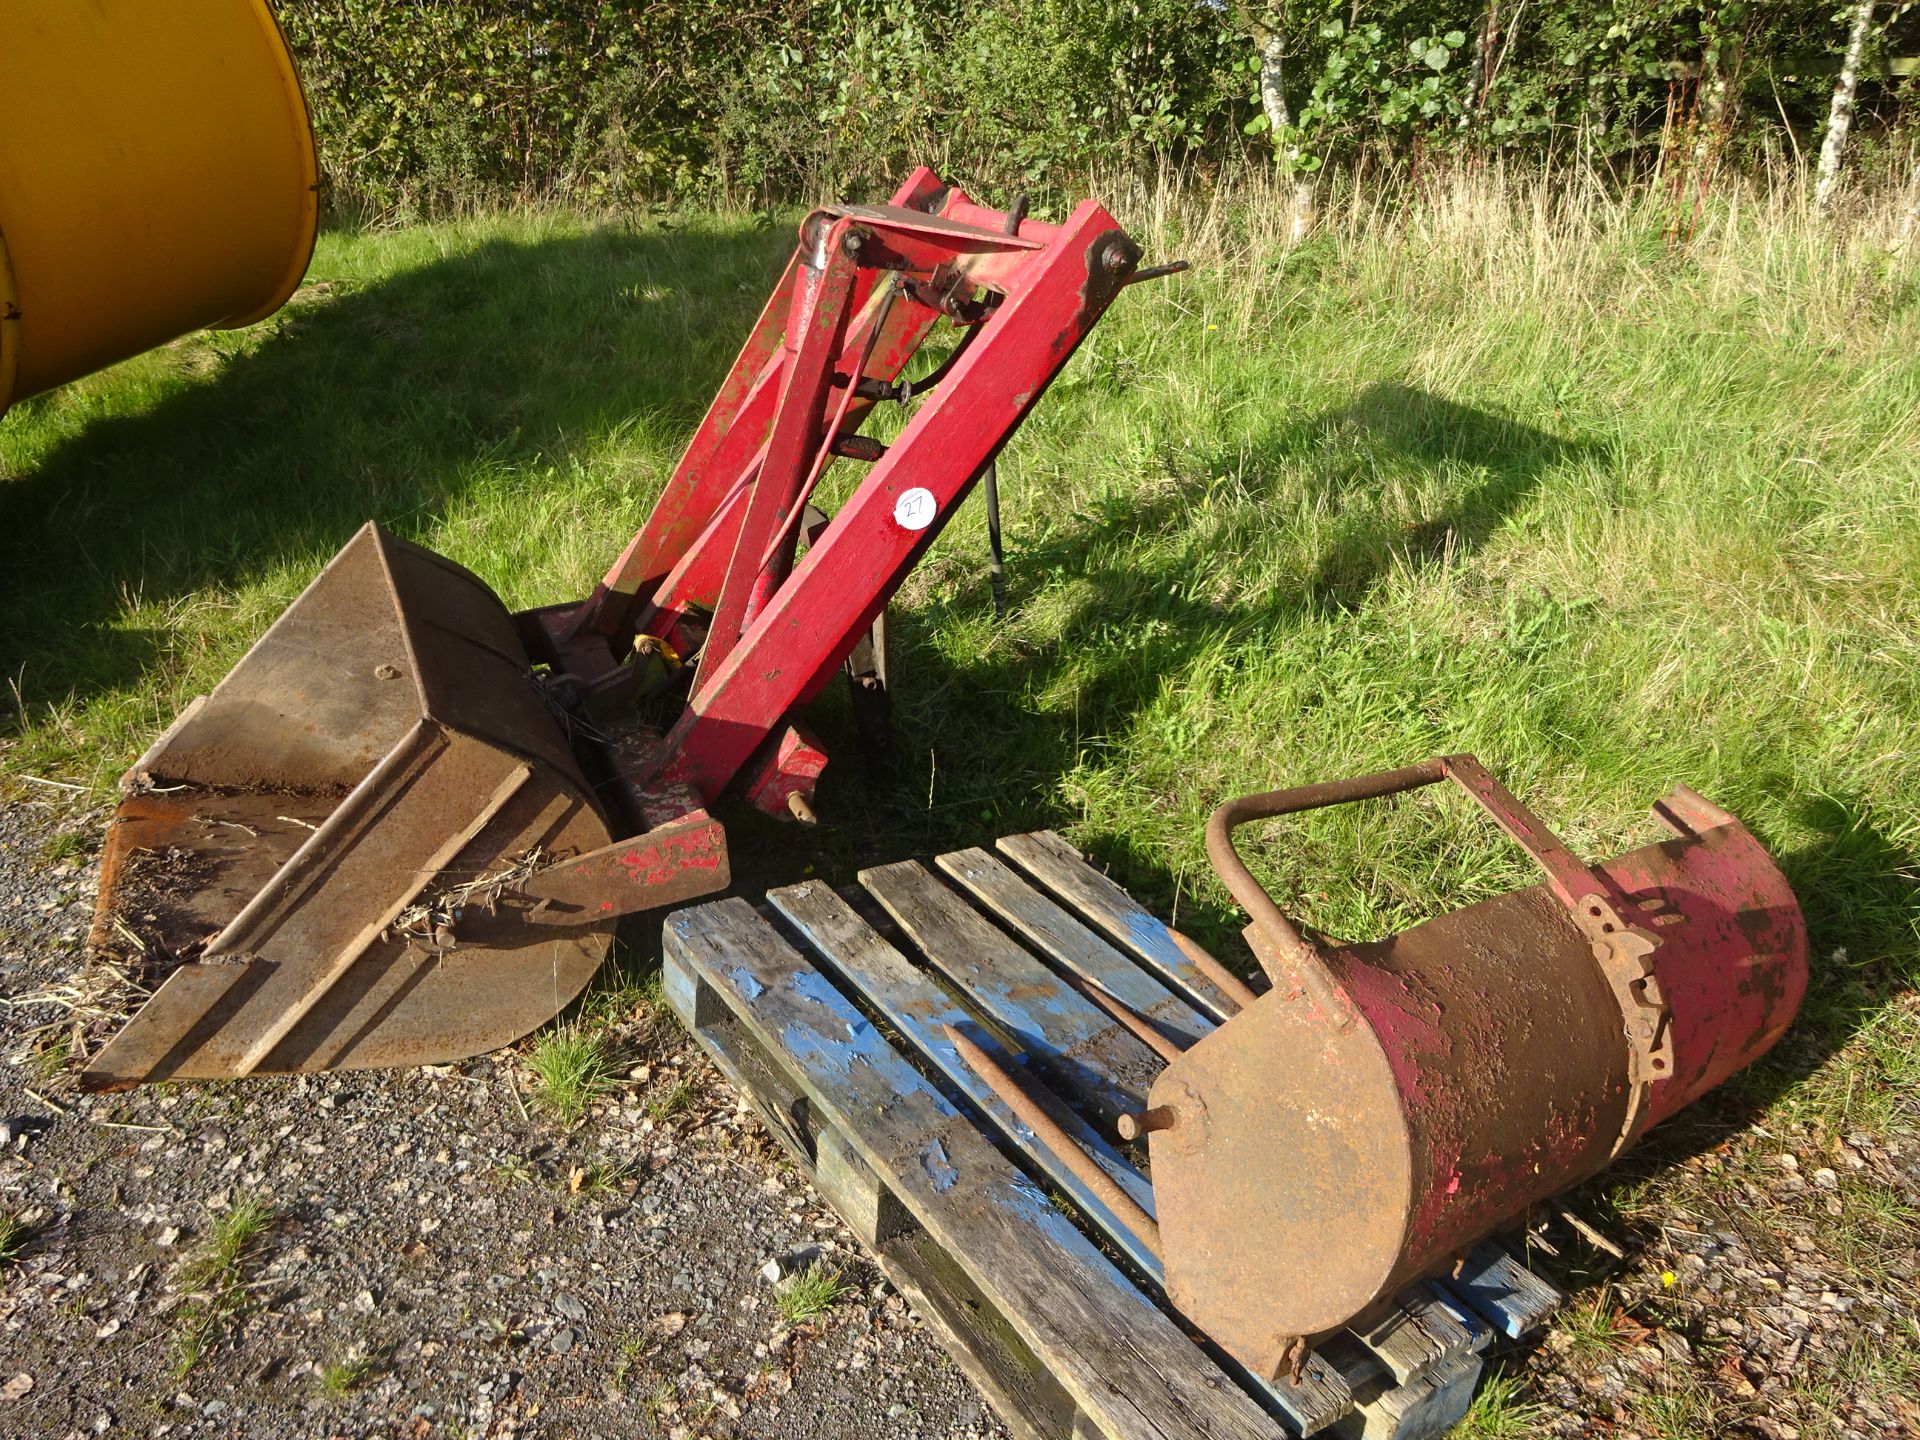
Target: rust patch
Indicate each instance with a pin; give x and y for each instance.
(1389, 1103)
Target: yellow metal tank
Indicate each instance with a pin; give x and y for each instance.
(157, 175)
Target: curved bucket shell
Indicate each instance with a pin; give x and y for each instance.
(379, 768)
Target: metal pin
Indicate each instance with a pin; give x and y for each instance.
(1158, 272)
(1159, 1117)
(996, 550)
(1057, 1140)
(1136, 1024)
(1224, 980)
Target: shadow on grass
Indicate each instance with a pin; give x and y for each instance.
(376, 402)
(1135, 622)
(1427, 432)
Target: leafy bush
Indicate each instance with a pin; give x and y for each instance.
(434, 107)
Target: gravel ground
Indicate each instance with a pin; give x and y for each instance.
(439, 1261)
(436, 1261)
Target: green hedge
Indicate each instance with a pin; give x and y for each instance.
(429, 105)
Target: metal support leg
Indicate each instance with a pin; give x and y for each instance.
(996, 555)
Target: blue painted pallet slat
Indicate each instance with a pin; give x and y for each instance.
(917, 1007)
(1060, 869)
(1479, 1332)
(1066, 1300)
(1049, 929)
(1090, 1058)
(1502, 1291)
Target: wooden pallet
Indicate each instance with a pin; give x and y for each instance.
(826, 1010)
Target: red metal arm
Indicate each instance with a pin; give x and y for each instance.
(712, 572)
(1053, 295)
(723, 450)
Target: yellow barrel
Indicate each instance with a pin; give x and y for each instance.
(157, 175)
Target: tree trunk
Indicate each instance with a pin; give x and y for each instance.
(1273, 100)
(1718, 109)
(1477, 73)
(1593, 116)
(1840, 117)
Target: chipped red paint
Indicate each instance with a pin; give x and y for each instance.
(788, 766)
(713, 571)
(1737, 979)
(679, 859)
(1389, 1103)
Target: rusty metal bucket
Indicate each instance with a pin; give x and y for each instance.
(355, 851)
(1387, 1104)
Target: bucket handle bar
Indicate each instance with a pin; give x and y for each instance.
(1301, 961)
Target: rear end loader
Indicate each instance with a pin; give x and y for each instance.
(402, 828)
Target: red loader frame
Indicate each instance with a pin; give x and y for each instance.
(712, 575)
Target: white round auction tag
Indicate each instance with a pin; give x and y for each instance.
(915, 509)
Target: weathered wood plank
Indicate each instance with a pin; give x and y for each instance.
(1501, 1290)
(865, 1201)
(1124, 1363)
(1089, 1056)
(1480, 1334)
(915, 1005)
(1415, 1333)
(1021, 1390)
(1048, 928)
(1424, 1408)
(1059, 868)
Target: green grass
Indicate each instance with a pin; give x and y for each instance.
(1678, 1407)
(62, 846)
(600, 1179)
(1595, 1327)
(340, 1378)
(1501, 1410)
(810, 1293)
(633, 1351)
(213, 1280)
(14, 1234)
(572, 1066)
(230, 1239)
(666, 1100)
(625, 992)
(515, 1170)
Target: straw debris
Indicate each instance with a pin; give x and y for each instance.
(430, 921)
